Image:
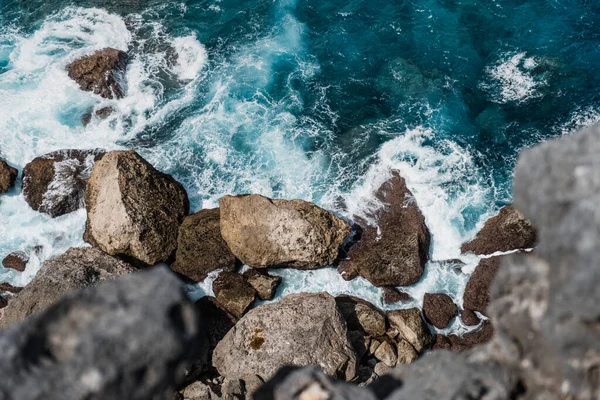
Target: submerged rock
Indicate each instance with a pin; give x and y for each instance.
(291, 233)
(234, 293)
(509, 230)
(264, 284)
(55, 183)
(201, 248)
(439, 309)
(132, 209)
(8, 176)
(125, 339)
(477, 292)
(300, 330)
(392, 295)
(16, 260)
(394, 252)
(78, 268)
(102, 72)
(102, 113)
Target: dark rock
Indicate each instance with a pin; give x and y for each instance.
(411, 327)
(125, 339)
(361, 315)
(8, 176)
(234, 293)
(386, 353)
(133, 210)
(481, 335)
(272, 233)
(441, 342)
(346, 271)
(3, 303)
(55, 183)
(217, 320)
(477, 292)
(392, 295)
(469, 318)
(200, 247)
(302, 329)
(7, 287)
(395, 252)
(78, 268)
(102, 72)
(16, 260)
(264, 284)
(509, 230)
(439, 309)
(102, 113)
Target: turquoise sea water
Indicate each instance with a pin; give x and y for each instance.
(303, 99)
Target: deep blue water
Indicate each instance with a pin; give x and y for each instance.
(309, 99)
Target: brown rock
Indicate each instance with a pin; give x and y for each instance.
(469, 318)
(293, 233)
(482, 335)
(477, 292)
(234, 293)
(345, 269)
(406, 352)
(509, 230)
(411, 327)
(264, 284)
(55, 183)
(386, 354)
(441, 342)
(7, 287)
(102, 72)
(200, 247)
(102, 113)
(381, 368)
(361, 315)
(439, 309)
(8, 176)
(391, 295)
(133, 209)
(16, 260)
(396, 253)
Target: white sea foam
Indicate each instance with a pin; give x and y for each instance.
(191, 57)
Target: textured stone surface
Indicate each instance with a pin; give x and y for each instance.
(7, 287)
(509, 230)
(439, 309)
(234, 293)
(469, 318)
(200, 247)
(124, 339)
(477, 291)
(102, 72)
(16, 260)
(394, 252)
(133, 209)
(8, 176)
(301, 330)
(76, 269)
(292, 233)
(411, 327)
(406, 352)
(264, 284)
(392, 295)
(386, 353)
(361, 315)
(55, 182)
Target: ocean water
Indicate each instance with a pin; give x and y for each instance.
(317, 100)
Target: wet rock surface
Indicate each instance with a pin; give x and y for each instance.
(102, 72)
(16, 260)
(439, 309)
(8, 176)
(477, 291)
(264, 283)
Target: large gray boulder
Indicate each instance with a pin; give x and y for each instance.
(78, 268)
(262, 232)
(102, 72)
(300, 330)
(394, 252)
(132, 209)
(131, 338)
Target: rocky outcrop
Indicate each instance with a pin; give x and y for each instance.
(55, 183)
(125, 339)
(394, 252)
(102, 72)
(509, 230)
(477, 291)
(234, 293)
(439, 309)
(201, 248)
(302, 329)
(132, 209)
(286, 233)
(16, 260)
(8, 176)
(411, 327)
(78, 268)
(264, 283)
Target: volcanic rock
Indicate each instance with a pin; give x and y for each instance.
(439, 309)
(234, 293)
(8, 176)
(102, 72)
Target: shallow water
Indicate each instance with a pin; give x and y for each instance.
(302, 99)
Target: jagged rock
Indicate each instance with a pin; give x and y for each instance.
(381, 368)
(509, 230)
(406, 352)
(477, 292)
(302, 329)
(217, 320)
(393, 253)
(102, 72)
(102, 113)
(16, 260)
(469, 318)
(7, 287)
(439, 309)
(76, 269)
(200, 247)
(8, 176)
(234, 293)
(392, 295)
(55, 182)
(345, 269)
(294, 233)
(361, 315)
(133, 209)
(264, 284)
(386, 354)
(125, 339)
(412, 328)
(481, 335)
